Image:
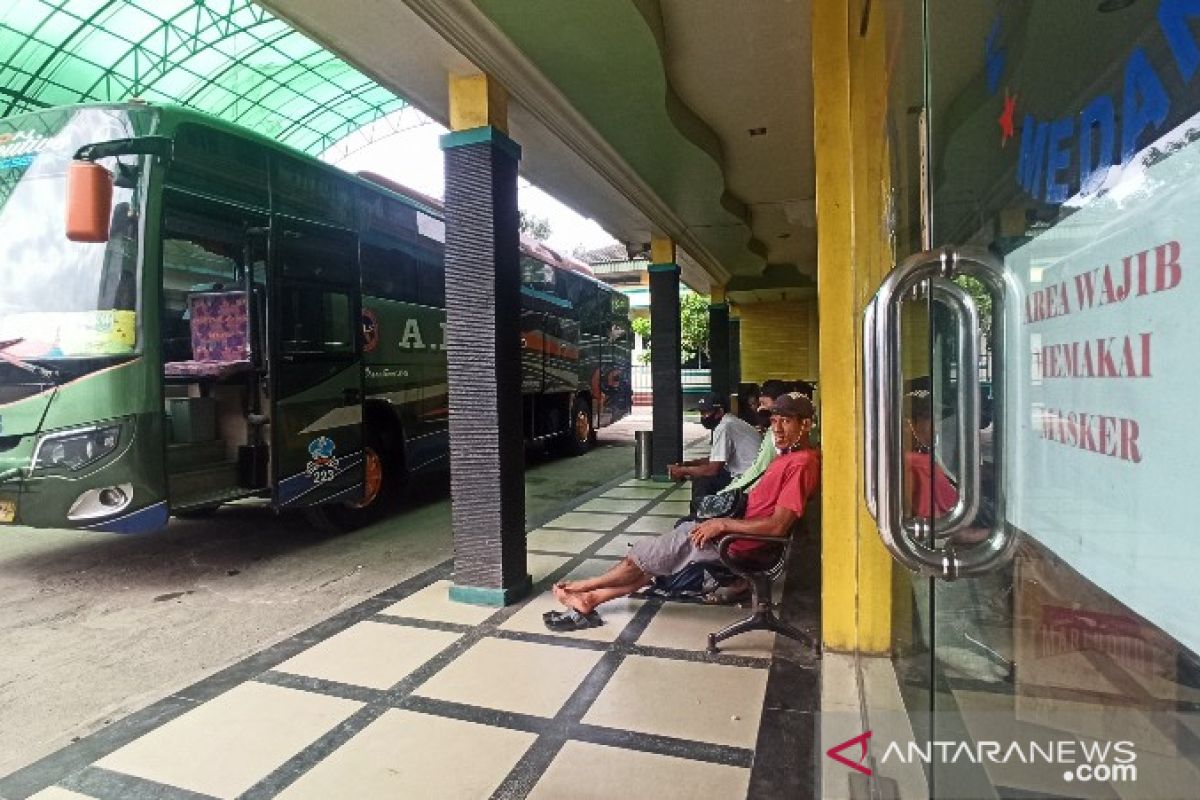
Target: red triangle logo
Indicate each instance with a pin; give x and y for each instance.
(835, 753)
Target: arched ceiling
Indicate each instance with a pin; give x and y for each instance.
(230, 58)
(691, 119)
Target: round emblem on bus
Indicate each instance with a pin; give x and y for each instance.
(370, 330)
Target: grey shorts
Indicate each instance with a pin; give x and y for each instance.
(670, 552)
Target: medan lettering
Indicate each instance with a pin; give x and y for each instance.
(1132, 277)
(1048, 147)
(1115, 437)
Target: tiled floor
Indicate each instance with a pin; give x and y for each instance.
(413, 695)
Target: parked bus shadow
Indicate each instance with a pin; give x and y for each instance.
(232, 540)
(237, 537)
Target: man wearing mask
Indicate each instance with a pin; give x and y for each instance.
(735, 445)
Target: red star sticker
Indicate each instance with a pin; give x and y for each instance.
(1006, 118)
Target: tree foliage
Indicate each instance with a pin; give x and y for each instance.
(535, 226)
(693, 324)
(983, 300)
(693, 327)
(641, 326)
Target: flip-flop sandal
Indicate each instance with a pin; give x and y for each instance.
(556, 617)
(558, 613)
(566, 621)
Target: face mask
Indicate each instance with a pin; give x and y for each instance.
(709, 422)
(764, 418)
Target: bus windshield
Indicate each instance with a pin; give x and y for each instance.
(61, 299)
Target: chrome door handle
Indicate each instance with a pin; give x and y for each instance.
(962, 305)
(966, 315)
(871, 413)
(908, 539)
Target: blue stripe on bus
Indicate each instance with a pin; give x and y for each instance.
(296, 486)
(549, 298)
(150, 518)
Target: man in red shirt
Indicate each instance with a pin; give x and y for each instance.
(777, 500)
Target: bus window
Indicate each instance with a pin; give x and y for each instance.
(389, 273)
(316, 320)
(537, 275)
(316, 258)
(431, 285)
(199, 254)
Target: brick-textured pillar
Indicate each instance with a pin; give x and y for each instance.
(665, 366)
(718, 349)
(483, 364)
(735, 352)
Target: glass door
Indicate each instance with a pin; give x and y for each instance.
(1050, 552)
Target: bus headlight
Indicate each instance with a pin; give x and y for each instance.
(97, 503)
(76, 449)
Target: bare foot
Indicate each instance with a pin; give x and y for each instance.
(578, 601)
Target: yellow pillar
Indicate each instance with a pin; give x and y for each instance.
(477, 101)
(836, 298)
(662, 250)
(849, 101)
(873, 257)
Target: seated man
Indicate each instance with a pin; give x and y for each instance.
(775, 503)
(749, 399)
(734, 446)
(766, 452)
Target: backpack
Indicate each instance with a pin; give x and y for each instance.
(694, 580)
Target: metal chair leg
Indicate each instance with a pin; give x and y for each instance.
(761, 621)
(754, 622)
(792, 632)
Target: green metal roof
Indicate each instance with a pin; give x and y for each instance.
(229, 58)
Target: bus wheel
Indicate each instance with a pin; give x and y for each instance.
(579, 437)
(372, 480)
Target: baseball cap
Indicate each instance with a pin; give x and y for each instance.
(792, 404)
(708, 402)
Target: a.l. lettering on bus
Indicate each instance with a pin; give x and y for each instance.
(413, 339)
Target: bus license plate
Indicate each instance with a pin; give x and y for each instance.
(8, 511)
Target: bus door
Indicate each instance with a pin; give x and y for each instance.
(315, 363)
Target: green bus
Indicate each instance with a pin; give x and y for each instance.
(239, 320)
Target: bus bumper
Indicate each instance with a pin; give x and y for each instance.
(110, 497)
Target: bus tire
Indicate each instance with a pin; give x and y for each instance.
(379, 478)
(580, 433)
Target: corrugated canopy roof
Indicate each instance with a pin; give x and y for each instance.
(229, 58)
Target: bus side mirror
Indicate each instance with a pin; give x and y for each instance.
(89, 201)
